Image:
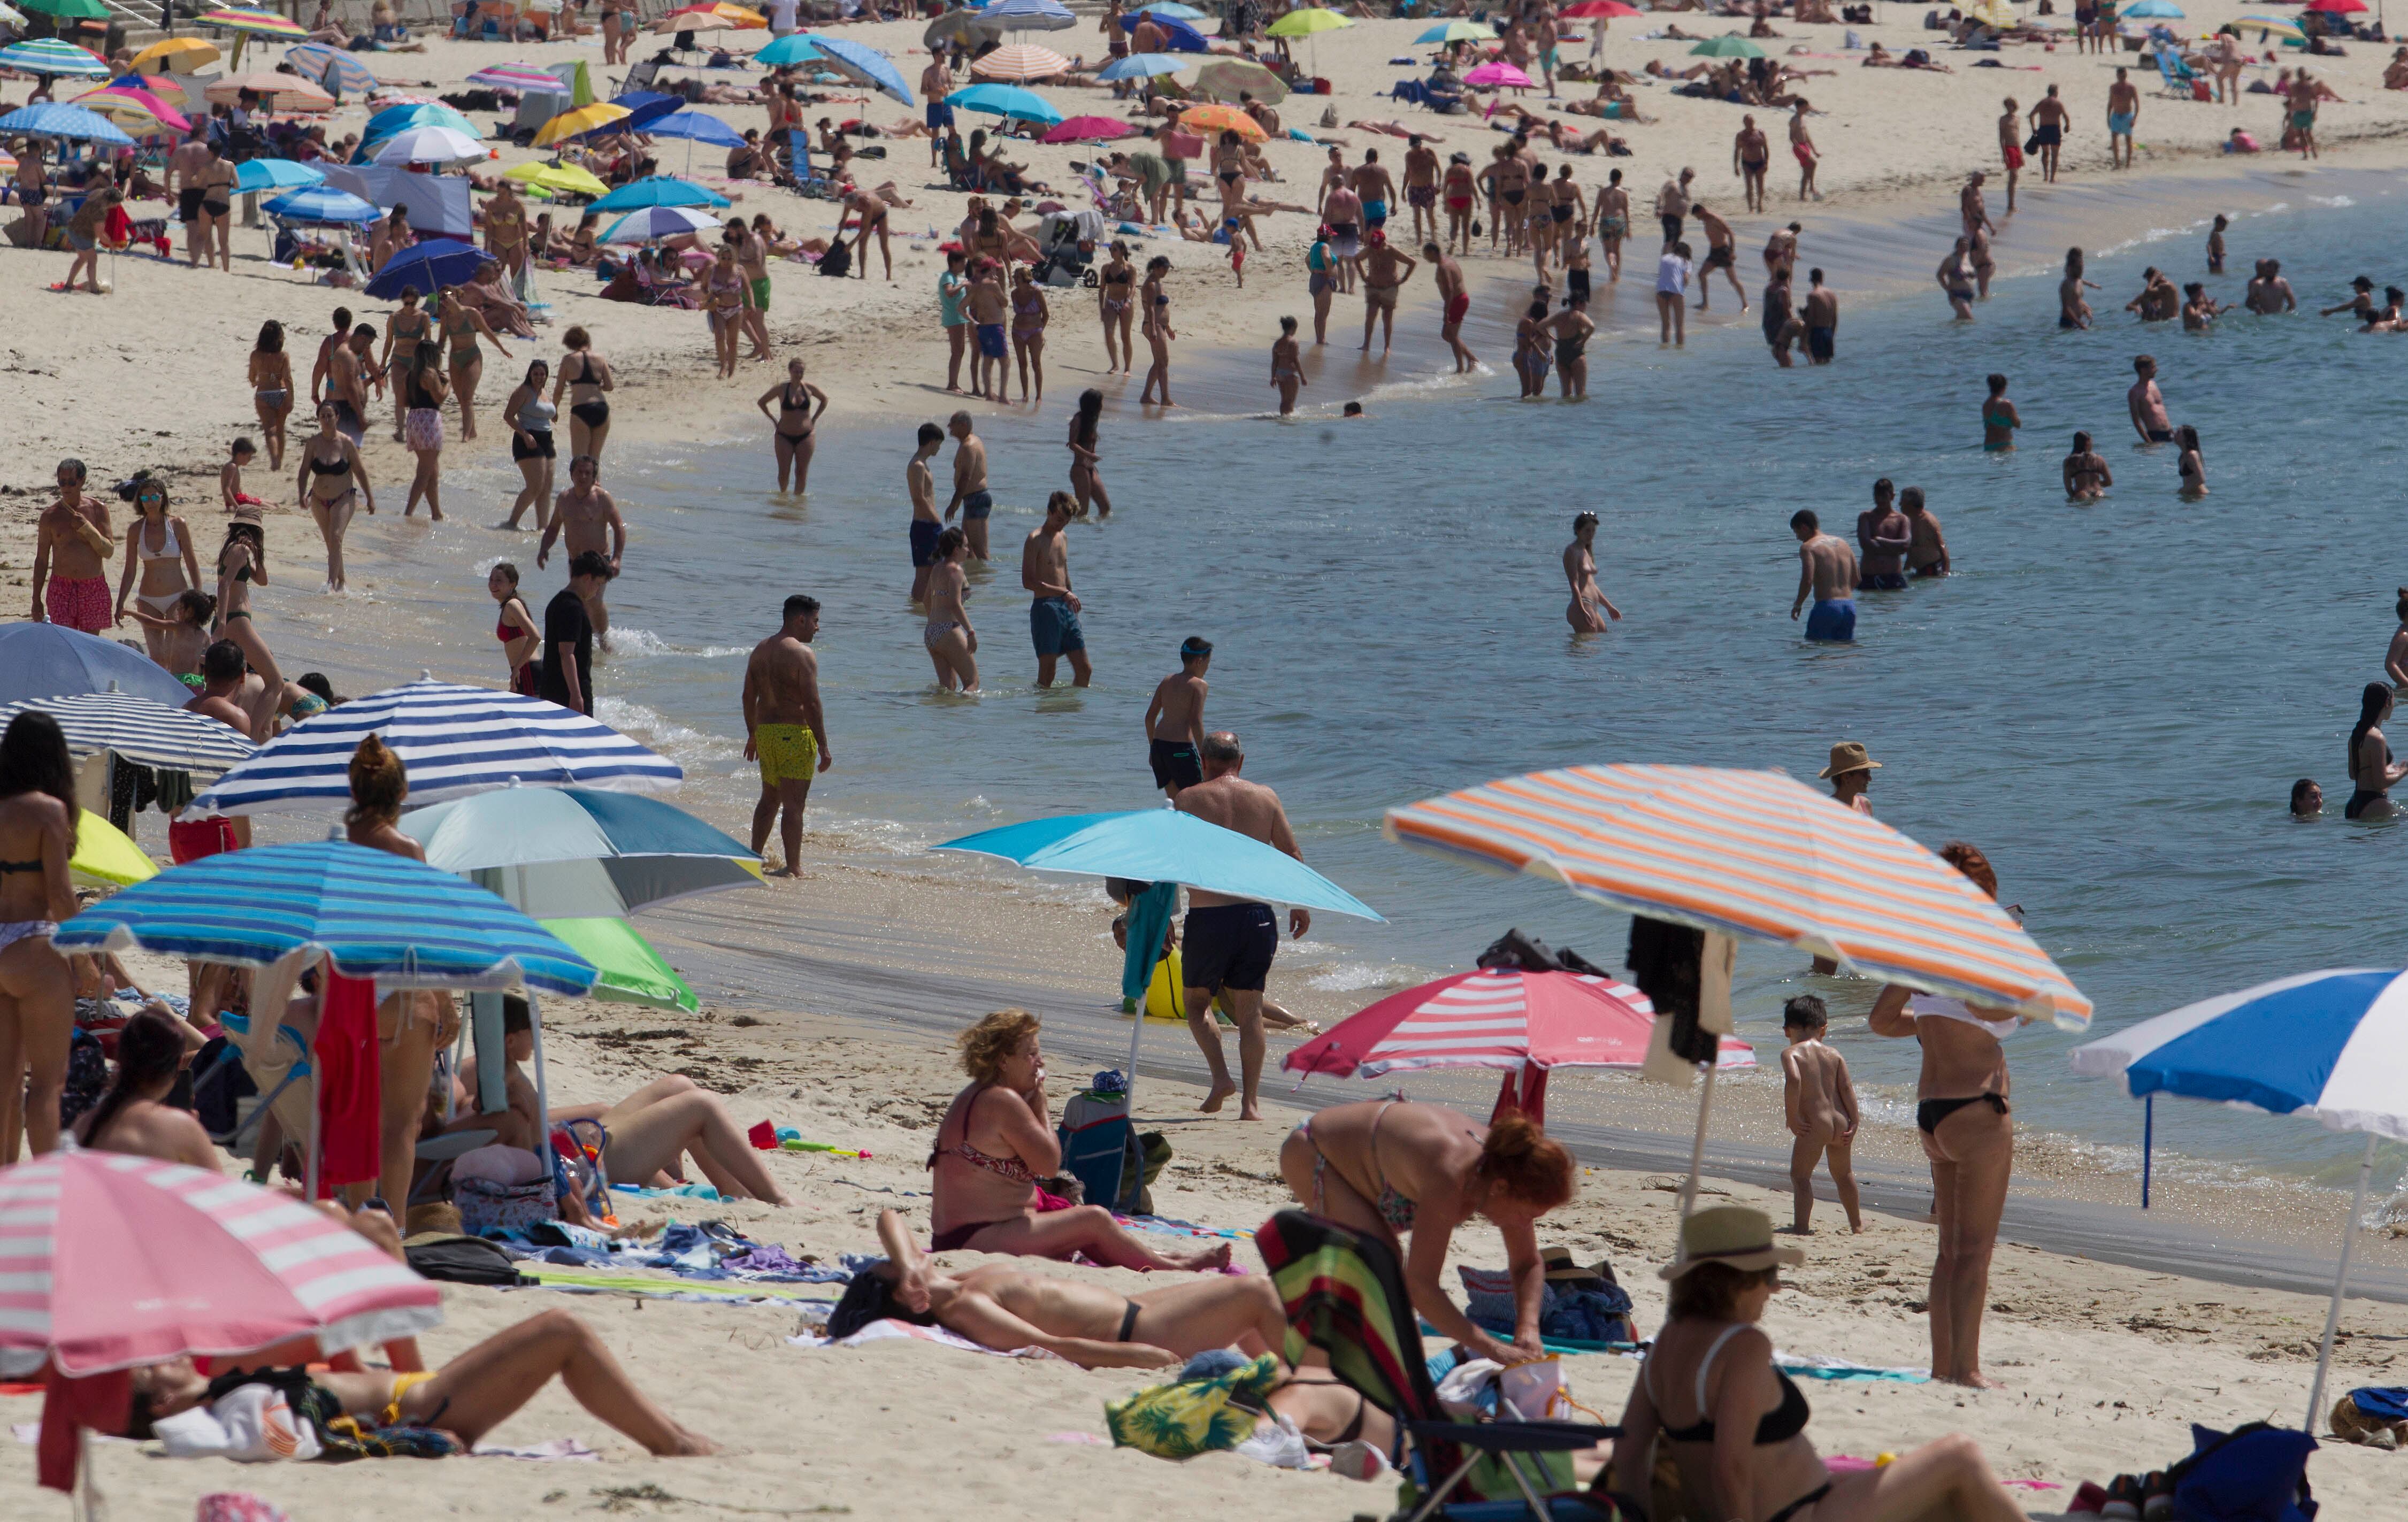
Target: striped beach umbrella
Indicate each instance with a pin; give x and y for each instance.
(48, 55)
(334, 69)
(2331, 1045)
(1020, 61)
(454, 739)
(1758, 856)
(112, 1261)
(134, 108)
(54, 118)
(255, 24)
(524, 78)
(139, 729)
(371, 913)
(1495, 1017)
(646, 223)
(275, 92)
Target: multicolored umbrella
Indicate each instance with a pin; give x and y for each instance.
(48, 55)
(1500, 1017)
(109, 1261)
(282, 92)
(1020, 61)
(372, 913)
(177, 55)
(135, 109)
(2281, 26)
(524, 78)
(255, 24)
(735, 16)
(139, 729)
(1756, 854)
(658, 190)
(332, 68)
(1458, 30)
(403, 115)
(1221, 118)
(647, 223)
(1230, 77)
(429, 145)
(1089, 129)
(576, 122)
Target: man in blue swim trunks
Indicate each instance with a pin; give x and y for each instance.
(1827, 569)
(1053, 617)
(1372, 184)
(970, 499)
(2122, 111)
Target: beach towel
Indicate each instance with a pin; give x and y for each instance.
(883, 1331)
(1819, 1366)
(2382, 1403)
(1193, 1416)
(348, 1087)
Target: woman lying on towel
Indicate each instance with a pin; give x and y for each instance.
(996, 1141)
(467, 1396)
(1712, 1371)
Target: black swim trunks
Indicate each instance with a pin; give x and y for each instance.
(1229, 946)
(188, 204)
(1175, 761)
(1819, 342)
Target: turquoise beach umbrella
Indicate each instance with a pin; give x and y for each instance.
(1007, 101)
(1162, 845)
(659, 190)
(794, 48)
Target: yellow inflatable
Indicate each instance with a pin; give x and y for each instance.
(1162, 994)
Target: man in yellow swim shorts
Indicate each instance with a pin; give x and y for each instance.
(785, 728)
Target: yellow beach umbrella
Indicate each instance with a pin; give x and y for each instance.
(582, 119)
(103, 854)
(2281, 26)
(1221, 118)
(557, 180)
(1995, 13)
(176, 55)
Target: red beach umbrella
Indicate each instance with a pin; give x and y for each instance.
(2337, 7)
(1585, 9)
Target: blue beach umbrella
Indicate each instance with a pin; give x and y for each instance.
(1139, 66)
(335, 71)
(323, 203)
(697, 127)
(454, 740)
(138, 729)
(396, 119)
(1459, 30)
(646, 107)
(2332, 1045)
(1028, 16)
(794, 48)
(276, 174)
(659, 190)
(645, 224)
(1006, 100)
(426, 268)
(50, 55)
(559, 852)
(2147, 9)
(1173, 9)
(864, 65)
(48, 660)
(54, 120)
(373, 913)
(1179, 36)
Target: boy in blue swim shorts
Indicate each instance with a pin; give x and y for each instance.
(1827, 572)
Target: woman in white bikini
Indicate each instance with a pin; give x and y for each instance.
(952, 644)
(1968, 1134)
(584, 376)
(159, 552)
(38, 831)
(333, 480)
(1389, 1167)
(271, 389)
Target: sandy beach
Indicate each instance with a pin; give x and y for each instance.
(827, 999)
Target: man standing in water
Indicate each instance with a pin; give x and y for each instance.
(2122, 111)
(1053, 617)
(1385, 273)
(1822, 315)
(2148, 405)
(1174, 721)
(589, 519)
(2270, 292)
(970, 499)
(1722, 252)
(1228, 943)
(922, 483)
(567, 674)
(1672, 206)
(70, 549)
(1885, 536)
(1455, 304)
(1927, 554)
(1421, 186)
(1826, 570)
(785, 729)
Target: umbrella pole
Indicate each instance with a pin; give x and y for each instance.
(312, 1185)
(2148, 1139)
(542, 1098)
(2341, 1286)
(1698, 1146)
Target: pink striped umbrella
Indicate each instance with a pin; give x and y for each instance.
(1496, 1017)
(109, 1261)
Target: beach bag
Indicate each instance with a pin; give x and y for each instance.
(463, 1260)
(252, 1424)
(487, 1207)
(577, 1169)
(838, 261)
(2254, 1473)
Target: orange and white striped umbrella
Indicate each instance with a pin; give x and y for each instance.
(1756, 854)
(1020, 61)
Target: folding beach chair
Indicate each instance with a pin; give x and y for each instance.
(1345, 1295)
(2172, 72)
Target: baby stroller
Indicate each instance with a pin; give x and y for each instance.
(1065, 243)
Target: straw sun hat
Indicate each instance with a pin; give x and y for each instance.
(1733, 1236)
(1847, 757)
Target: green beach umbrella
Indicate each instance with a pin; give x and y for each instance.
(1305, 23)
(1730, 47)
(89, 10)
(630, 971)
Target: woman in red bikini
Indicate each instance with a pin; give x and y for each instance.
(521, 636)
(996, 1141)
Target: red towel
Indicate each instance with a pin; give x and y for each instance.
(350, 1127)
(104, 1402)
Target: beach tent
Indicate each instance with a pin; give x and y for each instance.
(438, 203)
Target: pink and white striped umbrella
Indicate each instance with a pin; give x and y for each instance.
(109, 1261)
(1500, 1017)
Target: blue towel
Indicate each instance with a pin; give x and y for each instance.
(2387, 1403)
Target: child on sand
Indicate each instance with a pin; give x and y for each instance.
(1820, 1104)
(230, 478)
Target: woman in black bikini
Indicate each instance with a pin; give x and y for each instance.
(403, 331)
(1711, 1365)
(1158, 335)
(333, 477)
(2373, 773)
(795, 424)
(424, 384)
(38, 831)
(584, 375)
(996, 1141)
(1115, 285)
(1086, 482)
(242, 563)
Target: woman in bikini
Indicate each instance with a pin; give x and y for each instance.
(531, 415)
(1531, 360)
(725, 297)
(159, 552)
(521, 636)
(1086, 480)
(1115, 285)
(1157, 330)
(1460, 190)
(334, 478)
(462, 324)
(2192, 466)
(584, 375)
(1229, 168)
(1968, 1134)
(794, 424)
(996, 1141)
(1029, 315)
(1710, 1372)
(37, 832)
(242, 563)
(1390, 1167)
(424, 383)
(1287, 366)
(132, 1116)
(403, 331)
(2372, 774)
(1572, 329)
(271, 389)
(952, 644)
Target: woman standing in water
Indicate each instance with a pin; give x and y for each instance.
(952, 644)
(584, 375)
(461, 324)
(530, 417)
(1086, 482)
(423, 431)
(333, 480)
(1157, 330)
(1287, 367)
(37, 832)
(403, 331)
(1999, 418)
(271, 390)
(1029, 315)
(1115, 293)
(159, 552)
(1572, 329)
(1580, 570)
(521, 636)
(2395, 660)
(793, 423)
(2192, 466)
(1968, 1134)
(2373, 773)
(1530, 347)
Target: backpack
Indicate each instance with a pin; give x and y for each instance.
(2258, 1472)
(463, 1260)
(838, 262)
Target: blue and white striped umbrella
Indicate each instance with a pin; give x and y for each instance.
(2330, 1044)
(139, 730)
(335, 71)
(454, 740)
(375, 915)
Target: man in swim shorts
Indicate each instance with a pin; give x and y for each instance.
(922, 483)
(1229, 943)
(1384, 272)
(2148, 405)
(1455, 299)
(1821, 313)
(1885, 536)
(970, 499)
(2049, 119)
(2123, 111)
(70, 577)
(186, 168)
(1053, 616)
(1826, 570)
(1421, 186)
(1174, 721)
(1375, 189)
(785, 728)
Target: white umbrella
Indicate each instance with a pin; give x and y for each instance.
(430, 145)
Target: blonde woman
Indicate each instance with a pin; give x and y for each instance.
(462, 323)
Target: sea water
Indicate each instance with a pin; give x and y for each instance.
(2111, 699)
